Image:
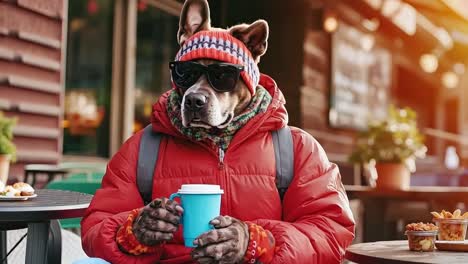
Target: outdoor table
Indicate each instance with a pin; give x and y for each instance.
(376, 201)
(35, 214)
(392, 252)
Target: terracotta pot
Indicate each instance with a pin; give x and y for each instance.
(392, 176)
(4, 167)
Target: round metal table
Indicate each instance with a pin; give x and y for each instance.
(36, 214)
(397, 252)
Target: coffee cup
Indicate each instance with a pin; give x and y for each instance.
(201, 203)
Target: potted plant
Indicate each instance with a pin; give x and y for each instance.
(392, 145)
(7, 148)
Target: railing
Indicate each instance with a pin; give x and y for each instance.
(460, 139)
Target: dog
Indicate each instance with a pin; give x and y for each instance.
(203, 106)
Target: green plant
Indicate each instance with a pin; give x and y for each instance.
(396, 139)
(6, 136)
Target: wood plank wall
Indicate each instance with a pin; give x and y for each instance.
(315, 97)
(315, 94)
(31, 85)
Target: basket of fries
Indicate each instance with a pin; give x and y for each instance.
(421, 236)
(452, 226)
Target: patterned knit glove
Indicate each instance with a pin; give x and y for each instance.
(262, 245)
(227, 243)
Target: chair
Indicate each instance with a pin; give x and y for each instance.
(54, 247)
(87, 168)
(31, 172)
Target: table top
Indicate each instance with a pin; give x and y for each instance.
(422, 193)
(392, 252)
(49, 204)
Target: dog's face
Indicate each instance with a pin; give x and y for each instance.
(202, 105)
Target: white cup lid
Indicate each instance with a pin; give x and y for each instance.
(200, 189)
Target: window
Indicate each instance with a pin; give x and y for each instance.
(88, 78)
(156, 47)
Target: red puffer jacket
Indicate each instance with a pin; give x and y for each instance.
(314, 225)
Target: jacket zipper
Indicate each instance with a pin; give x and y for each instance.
(221, 158)
(223, 180)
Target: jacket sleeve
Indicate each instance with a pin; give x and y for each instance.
(317, 221)
(111, 206)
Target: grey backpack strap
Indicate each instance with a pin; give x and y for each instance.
(284, 156)
(147, 158)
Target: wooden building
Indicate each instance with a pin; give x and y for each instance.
(31, 76)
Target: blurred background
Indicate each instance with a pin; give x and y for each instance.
(81, 76)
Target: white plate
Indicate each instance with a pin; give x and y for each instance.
(16, 198)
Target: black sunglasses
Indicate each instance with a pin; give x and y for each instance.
(223, 77)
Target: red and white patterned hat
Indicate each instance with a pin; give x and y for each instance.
(221, 46)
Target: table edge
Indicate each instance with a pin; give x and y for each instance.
(44, 208)
(366, 259)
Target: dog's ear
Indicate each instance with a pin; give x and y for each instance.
(195, 16)
(254, 36)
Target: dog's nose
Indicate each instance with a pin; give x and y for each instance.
(195, 101)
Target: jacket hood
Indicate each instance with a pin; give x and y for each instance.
(274, 118)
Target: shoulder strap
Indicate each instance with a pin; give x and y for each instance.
(284, 156)
(147, 159)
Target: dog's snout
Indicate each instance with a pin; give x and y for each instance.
(195, 101)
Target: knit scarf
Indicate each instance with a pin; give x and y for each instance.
(216, 137)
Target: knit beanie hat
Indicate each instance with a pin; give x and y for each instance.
(221, 46)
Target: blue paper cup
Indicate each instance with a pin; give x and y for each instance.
(201, 203)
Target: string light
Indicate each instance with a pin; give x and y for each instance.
(429, 63)
(450, 80)
(330, 24)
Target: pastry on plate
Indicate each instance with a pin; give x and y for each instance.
(11, 192)
(24, 188)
